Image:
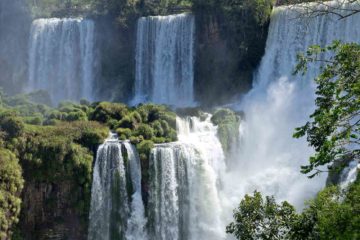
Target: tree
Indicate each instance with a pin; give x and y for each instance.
(333, 214)
(334, 128)
(315, 8)
(259, 219)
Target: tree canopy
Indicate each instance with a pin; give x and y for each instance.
(334, 128)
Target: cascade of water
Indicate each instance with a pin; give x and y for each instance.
(164, 60)
(184, 201)
(114, 214)
(61, 58)
(269, 159)
(136, 222)
(109, 200)
(349, 174)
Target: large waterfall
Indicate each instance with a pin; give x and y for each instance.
(268, 158)
(62, 59)
(165, 59)
(116, 212)
(190, 193)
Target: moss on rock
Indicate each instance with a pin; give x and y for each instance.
(228, 123)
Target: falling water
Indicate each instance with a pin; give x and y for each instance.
(61, 58)
(115, 214)
(269, 159)
(109, 199)
(136, 222)
(165, 59)
(191, 195)
(349, 174)
(184, 201)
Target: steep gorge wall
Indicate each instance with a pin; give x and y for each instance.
(116, 45)
(224, 57)
(48, 214)
(228, 51)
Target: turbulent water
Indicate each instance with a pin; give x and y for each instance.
(165, 59)
(268, 158)
(115, 214)
(184, 202)
(190, 194)
(61, 58)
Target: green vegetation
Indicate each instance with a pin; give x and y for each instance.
(333, 214)
(334, 129)
(259, 219)
(334, 132)
(11, 184)
(228, 127)
(54, 148)
(150, 122)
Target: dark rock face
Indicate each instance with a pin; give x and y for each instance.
(225, 63)
(48, 214)
(15, 24)
(116, 45)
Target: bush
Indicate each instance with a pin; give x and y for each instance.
(104, 111)
(126, 122)
(158, 130)
(126, 132)
(12, 125)
(76, 116)
(11, 184)
(146, 131)
(144, 148)
(37, 119)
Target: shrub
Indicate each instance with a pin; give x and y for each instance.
(144, 148)
(104, 111)
(12, 125)
(158, 130)
(11, 184)
(146, 131)
(126, 122)
(126, 132)
(76, 116)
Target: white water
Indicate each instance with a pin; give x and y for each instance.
(269, 159)
(191, 195)
(109, 208)
(165, 59)
(136, 222)
(114, 214)
(184, 199)
(61, 58)
(349, 174)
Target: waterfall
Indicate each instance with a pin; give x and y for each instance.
(165, 59)
(349, 174)
(184, 201)
(268, 158)
(61, 58)
(114, 213)
(136, 222)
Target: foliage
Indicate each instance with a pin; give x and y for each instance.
(259, 219)
(104, 111)
(228, 127)
(56, 148)
(334, 128)
(12, 125)
(11, 184)
(333, 214)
